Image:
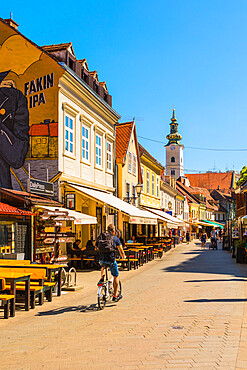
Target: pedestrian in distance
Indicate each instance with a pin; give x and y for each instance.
(214, 237)
(187, 237)
(203, 239)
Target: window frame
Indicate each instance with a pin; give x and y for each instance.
(70, 131)
(130, 162)
(98, 148)
(148, 182)
(153, 184)
(87, 141)
(173, 170)
(157, 186)
(134, 164)
(109, 153)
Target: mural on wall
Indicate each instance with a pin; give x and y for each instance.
(14, 130)
(28, 108)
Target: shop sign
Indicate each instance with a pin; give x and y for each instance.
(40, 187)
(58, 235)
(143, 221)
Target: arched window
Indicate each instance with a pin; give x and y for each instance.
(173, 159)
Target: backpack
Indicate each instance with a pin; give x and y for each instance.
(105, 243)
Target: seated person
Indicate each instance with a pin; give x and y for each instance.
(90, 249)
(76, 249)
(132, 240)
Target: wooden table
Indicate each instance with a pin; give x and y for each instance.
(49, 268)
(13, 278)
(133, 244)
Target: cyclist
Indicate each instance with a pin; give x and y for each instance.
(107, 243)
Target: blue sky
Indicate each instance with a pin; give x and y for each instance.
(188, 54)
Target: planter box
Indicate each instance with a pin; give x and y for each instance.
(240, 253)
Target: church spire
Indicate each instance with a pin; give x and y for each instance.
(174, 137)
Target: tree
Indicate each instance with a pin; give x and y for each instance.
(243, 176)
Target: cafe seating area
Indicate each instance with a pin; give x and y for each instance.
(137, 254)
(23, 283)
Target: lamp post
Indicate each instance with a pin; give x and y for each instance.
(138, 188)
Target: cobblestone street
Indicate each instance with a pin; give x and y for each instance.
(185, 311)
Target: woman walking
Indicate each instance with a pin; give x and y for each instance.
(203, 239)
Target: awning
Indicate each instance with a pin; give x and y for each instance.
(78, 217)
(6, 209)
(137, 216)
(174, 221)
(212, 223)
(202, 223)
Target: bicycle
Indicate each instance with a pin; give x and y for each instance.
(105, 290)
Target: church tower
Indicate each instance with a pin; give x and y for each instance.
(174, 151)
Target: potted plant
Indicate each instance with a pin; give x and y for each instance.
(240, 250)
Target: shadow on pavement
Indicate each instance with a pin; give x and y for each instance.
(202, 300)
(59, 311)
(201, 281)
(217, 262)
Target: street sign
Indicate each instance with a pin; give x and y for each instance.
(40, 187)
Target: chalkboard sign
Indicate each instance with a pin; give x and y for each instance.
(21, 238)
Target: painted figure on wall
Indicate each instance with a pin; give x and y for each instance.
(14, 129)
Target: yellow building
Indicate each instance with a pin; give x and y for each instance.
(151, 170)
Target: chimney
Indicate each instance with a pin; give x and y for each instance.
(11, 22)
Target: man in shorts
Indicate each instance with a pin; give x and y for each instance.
(107, 257)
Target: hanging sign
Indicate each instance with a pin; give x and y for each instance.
(40, 187)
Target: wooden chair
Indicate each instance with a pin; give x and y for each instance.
(6, 300)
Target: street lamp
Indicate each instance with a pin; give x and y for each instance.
(138, 188)
(169, 205)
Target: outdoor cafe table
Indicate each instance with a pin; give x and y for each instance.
(49, 269)
(13, 278)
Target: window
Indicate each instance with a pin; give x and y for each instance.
(134, 165)
(173, 159)
(152, 184)
(157, 186)
(109, 155)
(98, 150)
(128, 191)
(85, 142)
(134, 194)
(173, 172)
(69, 134)
(148, 182)
(130, 163)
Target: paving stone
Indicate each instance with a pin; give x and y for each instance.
(171, 321)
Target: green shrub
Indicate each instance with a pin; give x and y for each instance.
(240, 244)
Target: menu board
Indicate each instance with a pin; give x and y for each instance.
(20, 238)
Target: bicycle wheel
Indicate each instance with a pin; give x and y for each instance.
(102, 298)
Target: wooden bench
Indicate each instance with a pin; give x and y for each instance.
(37, 284)
(14, 262)
(6, 300)
(130, 260)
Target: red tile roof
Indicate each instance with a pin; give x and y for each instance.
(123, 133)
(211, 180)
(43, 129)
(6, 209)
(56, 47)
(33, 198)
